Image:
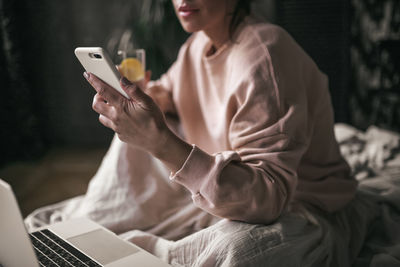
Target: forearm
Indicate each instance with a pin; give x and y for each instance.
(173, 152)
(225, 186)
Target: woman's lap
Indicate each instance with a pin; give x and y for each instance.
(302, 237)
(126, 197)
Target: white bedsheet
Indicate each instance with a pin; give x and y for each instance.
(366, 233)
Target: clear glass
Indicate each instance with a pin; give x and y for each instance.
(139, 55)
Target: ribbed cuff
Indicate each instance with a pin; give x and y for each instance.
(197, 166)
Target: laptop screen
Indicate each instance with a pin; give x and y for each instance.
(14, 240)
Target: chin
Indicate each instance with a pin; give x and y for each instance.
(190, 27)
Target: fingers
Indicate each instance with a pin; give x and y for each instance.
(107, 122)
(148, 76)
(103, 89)
(143, 82)
(107, 113)
(135, 92)
(102, 107)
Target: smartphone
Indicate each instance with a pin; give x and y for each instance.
(96, 60)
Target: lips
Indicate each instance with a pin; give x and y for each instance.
(187, 11)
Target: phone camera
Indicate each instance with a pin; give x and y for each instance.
(97, 56)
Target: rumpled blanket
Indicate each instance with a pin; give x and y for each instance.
(131, 195)
(369, 152)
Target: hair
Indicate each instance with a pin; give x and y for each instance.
(242, 9)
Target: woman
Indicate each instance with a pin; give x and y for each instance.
(256, 109)
(257, 141)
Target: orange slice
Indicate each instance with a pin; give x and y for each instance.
(132, 69)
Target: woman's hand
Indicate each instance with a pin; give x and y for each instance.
(163, 98)
(137, 121)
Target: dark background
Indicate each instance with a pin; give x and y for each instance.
(46, 102)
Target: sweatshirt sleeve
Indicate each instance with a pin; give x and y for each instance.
(255, 180)
(165, 81)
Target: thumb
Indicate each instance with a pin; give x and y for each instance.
(143, 82)
(134, 91)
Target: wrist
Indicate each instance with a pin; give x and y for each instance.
(173, 151)
(164, 139)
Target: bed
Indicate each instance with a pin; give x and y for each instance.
(187, 236)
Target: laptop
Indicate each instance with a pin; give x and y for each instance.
(78, 242)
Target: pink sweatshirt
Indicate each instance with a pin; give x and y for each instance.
(260, 117)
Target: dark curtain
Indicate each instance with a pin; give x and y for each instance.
(375, 55)
(322, 28)
(21, 127)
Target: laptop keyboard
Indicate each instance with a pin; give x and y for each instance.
(51, 250)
